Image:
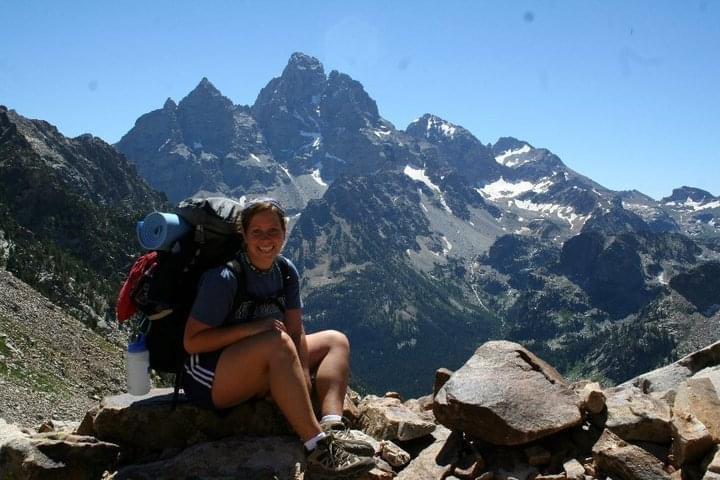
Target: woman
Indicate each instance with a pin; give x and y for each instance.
(237, 355)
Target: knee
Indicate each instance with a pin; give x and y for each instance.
(338, 340)
(285, 346)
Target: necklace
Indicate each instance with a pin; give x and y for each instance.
(255, 269)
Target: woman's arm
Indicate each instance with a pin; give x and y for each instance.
(200, 337)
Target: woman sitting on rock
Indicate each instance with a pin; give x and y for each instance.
(238, 352)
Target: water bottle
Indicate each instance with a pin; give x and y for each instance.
(138, 367)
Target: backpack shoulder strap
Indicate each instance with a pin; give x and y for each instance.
(284, 269)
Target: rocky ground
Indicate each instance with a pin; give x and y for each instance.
(51, 365)
(504, 415)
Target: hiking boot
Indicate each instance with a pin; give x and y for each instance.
(350, 442)
(331, 460)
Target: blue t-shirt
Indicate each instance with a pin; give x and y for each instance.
(218, 287)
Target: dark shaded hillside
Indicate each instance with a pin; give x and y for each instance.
(68, 208)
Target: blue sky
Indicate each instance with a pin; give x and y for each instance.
(625, 92)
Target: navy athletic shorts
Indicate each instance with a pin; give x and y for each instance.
(198, 377)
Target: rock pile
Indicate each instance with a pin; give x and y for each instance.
(505, 414)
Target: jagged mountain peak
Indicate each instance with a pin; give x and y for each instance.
(301, 61)
(206, 94)
(343, 94)
(431, 126)
(169, 104)
(509, 144)
(683, 194)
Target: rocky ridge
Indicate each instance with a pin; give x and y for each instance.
(506, 414)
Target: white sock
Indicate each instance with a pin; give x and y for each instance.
(312, 443)
(331, 418)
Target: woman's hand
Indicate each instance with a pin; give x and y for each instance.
(267, 324)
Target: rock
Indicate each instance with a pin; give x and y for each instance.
(634, 415)
(393, 395)
(505, 395)
(422, 407)
(389, 419)
(712, 461)
(691, 440)
(667, 379)
(58, 426)
(278, 457)
(699, 397)
(712, 373)
(442, 375)
(350, 410)
(574, 470)
(147, 423)
(592, 398)
(537, 455)
(394, 455)
(696, 420)
(614, 456)
(56, 456)
(425, 466)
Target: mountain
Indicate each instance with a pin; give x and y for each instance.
(67, 213)
(421, 243)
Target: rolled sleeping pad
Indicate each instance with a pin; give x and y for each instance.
(160, 230)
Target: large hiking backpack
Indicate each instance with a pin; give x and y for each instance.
(162, 285)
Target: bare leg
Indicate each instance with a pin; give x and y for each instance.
(329, 357)
(261, 362)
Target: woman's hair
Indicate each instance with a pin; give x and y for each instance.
(261, 205)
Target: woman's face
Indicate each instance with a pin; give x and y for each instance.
(264, 238)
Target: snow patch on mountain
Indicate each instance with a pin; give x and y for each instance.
(445, 128)
(316, 176)
(566, 213)
(448, 245)
(333, 157)
(501, 189)
(690, 204)
(509, 157)
(419, 176)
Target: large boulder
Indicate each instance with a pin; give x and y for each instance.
(148, 423)
(279, 457)
(506, 395)
(54, 456)
(615, 457)
(637, 416)
(696, 420)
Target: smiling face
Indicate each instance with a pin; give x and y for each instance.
(264, 238)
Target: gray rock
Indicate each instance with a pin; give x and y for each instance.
(389, 419)
(269, 457)
(425, 466)
(669, 378)
(574, 469)
(696, 420)
(394, 455)
(144, 424)
(50, 456)
(505, 395)
(614, 456)
(636, 416)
